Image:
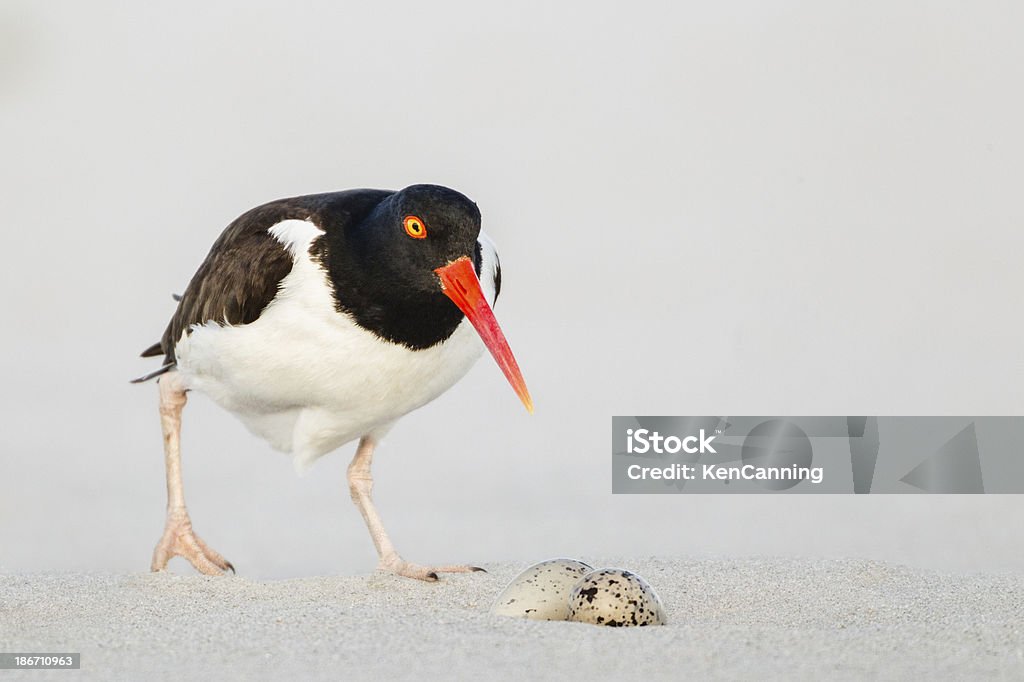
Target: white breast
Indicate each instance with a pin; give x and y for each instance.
(309, 379)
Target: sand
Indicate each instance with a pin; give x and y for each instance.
(775, 618)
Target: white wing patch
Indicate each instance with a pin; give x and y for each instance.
(295, 235)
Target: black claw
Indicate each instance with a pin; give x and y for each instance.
(233, 572)
(477, 569)
(432, 575)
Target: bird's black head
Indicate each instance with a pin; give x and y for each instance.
(406, 266)
(413, 232)
(383, 249)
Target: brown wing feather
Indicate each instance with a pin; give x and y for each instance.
(239, 277)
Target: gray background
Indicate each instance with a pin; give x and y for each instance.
(736, 208)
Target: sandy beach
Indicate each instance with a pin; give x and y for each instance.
(775, 618)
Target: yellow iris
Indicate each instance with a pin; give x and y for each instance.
(414, 227)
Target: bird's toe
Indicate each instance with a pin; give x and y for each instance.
(180, 540)
(431, 574)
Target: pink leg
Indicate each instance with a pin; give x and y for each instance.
(178, 538)
(360, 485)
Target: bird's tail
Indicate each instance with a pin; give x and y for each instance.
(155, 350)
(152, 375)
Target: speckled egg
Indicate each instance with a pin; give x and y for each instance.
(541, 592)
(615, 597)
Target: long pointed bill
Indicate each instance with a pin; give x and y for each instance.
(459, 283)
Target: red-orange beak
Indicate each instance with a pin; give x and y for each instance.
(459, 283)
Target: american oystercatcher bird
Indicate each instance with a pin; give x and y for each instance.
(321, 319)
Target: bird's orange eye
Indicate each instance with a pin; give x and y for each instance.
(414, 227)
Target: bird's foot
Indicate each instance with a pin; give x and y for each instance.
(180, 540)
(399, 566)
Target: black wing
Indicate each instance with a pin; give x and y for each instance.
(245, 266)
(239, 277)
